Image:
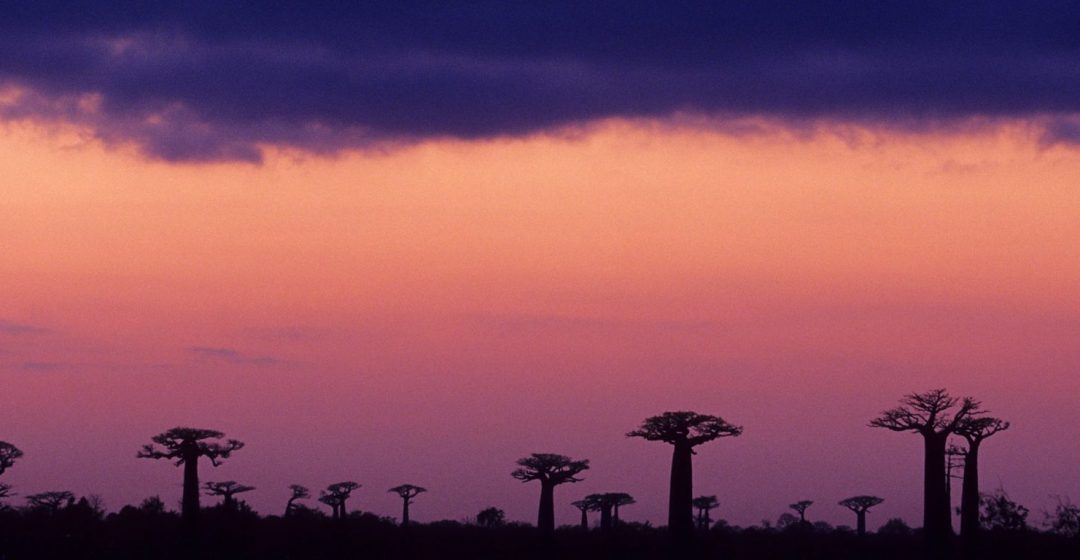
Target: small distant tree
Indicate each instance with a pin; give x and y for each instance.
(974, 431)
(1066, 519)
(153, 505)
(298, 493)
(8, 455)
(704, 505)
(584, 506)
(550, 470)
(50, 502)
(407, 492)
(895, 527)
(227, 490)
(185, 446)
(786, 521)
(336, 495)
(860, 505)
(608, 505)
(801, 507)
(684, 431)
(491, 517)
(1000, 513)
(619, 499)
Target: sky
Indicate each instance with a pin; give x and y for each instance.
(412, 245)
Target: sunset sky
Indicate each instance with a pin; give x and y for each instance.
(413, 245)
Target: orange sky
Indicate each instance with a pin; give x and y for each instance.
(541, 294)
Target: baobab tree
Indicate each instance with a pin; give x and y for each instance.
(860, 505)
(298, 493)
(186, 446)
(336, 495)
(8, 455)
(227, 490)
(603, 504)
(801, 507)
(619, 499)
(935, 415)
(684, 431)
(584, 506)
(974, 431)
(705, 504)
(407, 492)
(50, 501)
(551, 470)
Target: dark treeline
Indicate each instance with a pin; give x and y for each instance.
(57, 524)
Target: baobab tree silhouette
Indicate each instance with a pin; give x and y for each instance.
(974, 431)
(931, 415)
(407, 492)
(584, 506)
(50, 502)
(336, 495)
(685, 431)
(185, 446)
(705, 504)
(801, 507)
(551, 470)
(298, 493)
(860, 505)
(619, 499)
(603, 504)
(227, 490)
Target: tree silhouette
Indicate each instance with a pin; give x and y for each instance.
(8, 455)
(585, 506)
(619, 499)
(705, 504)
(551, 470)
(50, 501)
(974, 431)
(5, 491)
(185, 446)
(407, 492)
(491, 517)
(336, 495)
(227, 490)
(684, 431)
(928, 414)
(298, 493)
(801, 507)
(860, 505)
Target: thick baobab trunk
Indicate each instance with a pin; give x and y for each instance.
(288, 506)
(937, 522)
(584, 519)
(190, 503)
(969, 499)
(681, 497)
(615, 516)
(405, 514)
(545, 519)
(605, 518)
(229, 504)
(861, 523)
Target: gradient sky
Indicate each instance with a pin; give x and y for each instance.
(418, 248)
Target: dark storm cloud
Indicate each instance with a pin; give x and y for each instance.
(216, 80)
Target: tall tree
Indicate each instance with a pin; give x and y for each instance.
(186, 446)
(860, 505)
(227, 490)
(336, 495)
(685, 431)
(8, 455)
(550, 470)
(704, 505)
(935, 415)
(298, 493)
(407, 492)
(801, 507)
(974, 431)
